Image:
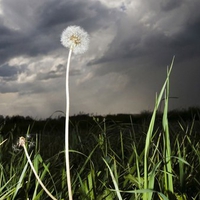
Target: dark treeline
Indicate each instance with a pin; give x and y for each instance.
(84, 121)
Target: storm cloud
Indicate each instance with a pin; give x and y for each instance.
(131, 45)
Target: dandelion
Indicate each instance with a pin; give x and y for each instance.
(77, 40)
(22, 143)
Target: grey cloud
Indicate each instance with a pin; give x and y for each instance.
(60, 68)
(167, 5)
(10, 73)
(144, 43)
(58, 72)
(29, 88)
(39, 31)
(8, 88)
(91, 15)
(7, 71)
(46, 76)
(75, 72)
(187, 42)
(136, 47)
(54, 13)
(149, 43)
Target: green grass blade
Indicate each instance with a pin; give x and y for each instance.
(167, 146)
(114, 180)
(19, 184)
(150, 132)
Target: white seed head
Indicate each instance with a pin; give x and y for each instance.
(76, 38)
(21, 141)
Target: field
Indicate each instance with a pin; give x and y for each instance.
(107, 157)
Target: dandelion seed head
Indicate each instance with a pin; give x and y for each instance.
(21, 141)
(75, 38)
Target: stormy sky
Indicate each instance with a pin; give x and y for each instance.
(131, 44)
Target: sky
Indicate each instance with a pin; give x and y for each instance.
(131, 44)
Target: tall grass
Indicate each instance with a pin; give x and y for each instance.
(149, 178)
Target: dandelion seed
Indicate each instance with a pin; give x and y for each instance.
(16, 148)
(31, 144)
(75, 38)
(28, 136)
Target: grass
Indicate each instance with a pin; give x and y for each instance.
(154, 159)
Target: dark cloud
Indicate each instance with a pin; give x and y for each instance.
(167, 5)
(7, 71)
(186, 43)
(148, 43)
(131, 45)
(15, 43)
(10, 73)
(54, 13)
(9, 43)
(40, 34)
(147, 47)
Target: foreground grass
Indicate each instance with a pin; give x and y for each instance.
(151, 160)
(102, 150)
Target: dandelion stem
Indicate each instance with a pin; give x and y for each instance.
(76, 39)
(67, 129)
(38, 178)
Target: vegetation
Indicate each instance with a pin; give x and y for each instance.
(97, 141)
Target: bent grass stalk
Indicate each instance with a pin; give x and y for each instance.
(22, 142)
(114, 179)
